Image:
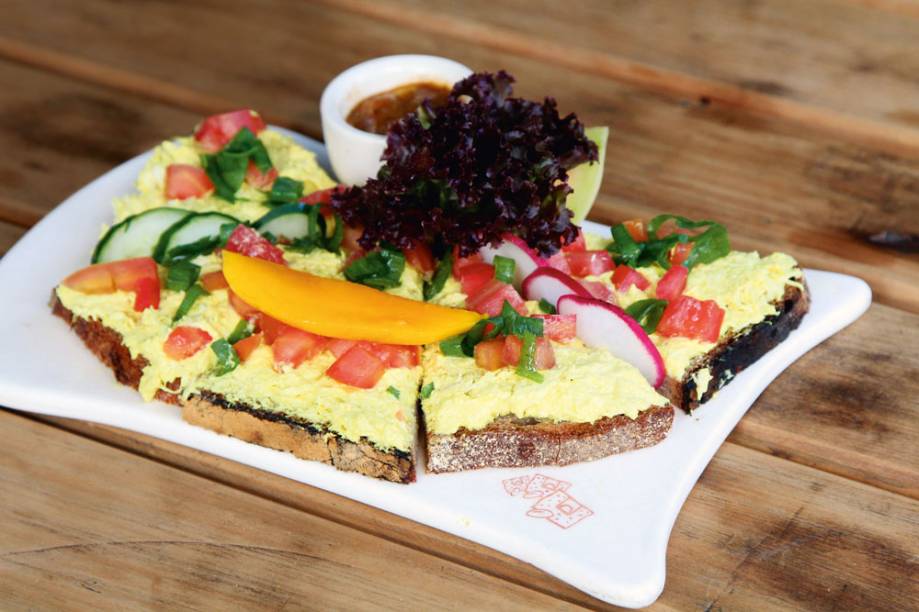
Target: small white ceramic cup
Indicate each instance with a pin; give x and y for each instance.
(355, 154)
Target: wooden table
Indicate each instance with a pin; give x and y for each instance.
(796, 123)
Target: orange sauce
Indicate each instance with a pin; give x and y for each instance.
(379, 112)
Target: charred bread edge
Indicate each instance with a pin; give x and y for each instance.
(304, 440)
(512, 442)
(735, 354)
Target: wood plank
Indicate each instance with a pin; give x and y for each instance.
(9, 234)
(779, 56)
(818, 200)
(752, 529)
(662, 175)
(88, 525)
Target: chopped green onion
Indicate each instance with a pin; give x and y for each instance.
(227, 168)
(191, 296)
(441, 274)
(526, 367)
(284, 191)
(647, 313)
(453, 347)
(242, 330)
(380, 269)
(227, 359)
(202, 246)
(393, 391)
(182, 275)
(426, 390)
(546, 306)
(504, 268)
(333, 243)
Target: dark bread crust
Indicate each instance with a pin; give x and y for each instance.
(276, 431)
(734, 354)
(511, 442)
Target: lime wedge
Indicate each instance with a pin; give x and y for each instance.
(585, 179)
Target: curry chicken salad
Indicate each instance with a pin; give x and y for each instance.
(243, 284)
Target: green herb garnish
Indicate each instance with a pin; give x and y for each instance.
(546, 306)
(191, 296)
(504, 268)
(227, 169)
(393, 391)
(242, 330)
(380, 269)
(441, 274)
(452, 347)
(202, 246)
(227, 359)
(317, 233)
(708, 246)
(284, 191)
(182, 275)
(526, 367)
(426, 390)
(333, 242)
(647, 312)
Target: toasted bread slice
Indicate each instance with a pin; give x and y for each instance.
(305, 440)
(738, 351)
(513, 442)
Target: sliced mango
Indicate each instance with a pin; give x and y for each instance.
(337, 308)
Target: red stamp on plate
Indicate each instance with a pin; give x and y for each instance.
(553, 502)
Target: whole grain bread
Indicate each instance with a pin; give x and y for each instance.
(305, 440)
(734, 354)
(512, 442)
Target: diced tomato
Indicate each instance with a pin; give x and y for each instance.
(250, 243)
(560, 328)
(491, 297)
(258, 179)
(272, 328)
(115, 275)
(358, 368)
(636, 229)
(589, 263)
(559, 261)
(242, 309)
(246, 346)
(217, 130)
(599, 290)
(578, 244)
(513, 347)
(212, 281)
(349, 241)
(127, 272)
(185, 181)
(420, 257)
(323, 196)
(625, 276)
(339, 346)
(671, 285)
(691, 318)
(295, 346)
(679, 253)
(461, 262)
(474, 276)
(184, 341)
(396, 355)
(147, 293)
(489, 354)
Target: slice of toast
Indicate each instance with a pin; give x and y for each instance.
(274, 430)
(512, 442)
(739, 350)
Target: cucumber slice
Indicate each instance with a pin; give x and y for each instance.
(289, 221)
(585, 179)
(137, 235)
(194, 235)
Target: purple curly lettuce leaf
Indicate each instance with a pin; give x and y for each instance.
(466, 173)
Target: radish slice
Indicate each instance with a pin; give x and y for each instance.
(550, 284)
(525, 258)
(606, 326)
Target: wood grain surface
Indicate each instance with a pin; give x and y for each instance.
(794, 123)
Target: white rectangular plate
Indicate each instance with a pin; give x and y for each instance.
(601, 526)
